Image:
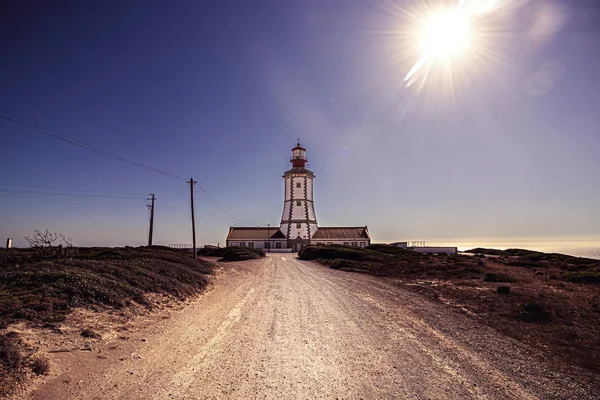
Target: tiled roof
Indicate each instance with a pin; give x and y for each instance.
(256, 233)
(342, 233)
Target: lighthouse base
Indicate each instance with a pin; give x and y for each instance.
(297, 244)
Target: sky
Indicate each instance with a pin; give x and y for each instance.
(502, 145)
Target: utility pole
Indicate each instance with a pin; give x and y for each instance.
(151, 206)
(192, 182)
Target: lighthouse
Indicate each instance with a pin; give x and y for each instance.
(298, 227)
(298, 220)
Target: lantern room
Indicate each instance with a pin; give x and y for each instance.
(298, 159)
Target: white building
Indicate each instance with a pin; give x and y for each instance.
(298, 226)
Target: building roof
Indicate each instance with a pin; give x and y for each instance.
(342, 233)
(254, 233)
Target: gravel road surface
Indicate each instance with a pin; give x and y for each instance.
(281, 328)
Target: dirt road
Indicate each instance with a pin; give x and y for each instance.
(282, 328)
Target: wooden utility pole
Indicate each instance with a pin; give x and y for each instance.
(151, 206)
(192, 182)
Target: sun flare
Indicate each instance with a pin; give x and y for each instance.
(445, 43)
(446, 33)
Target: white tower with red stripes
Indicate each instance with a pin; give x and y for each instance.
(298, 221)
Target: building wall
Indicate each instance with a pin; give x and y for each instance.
(343, 242)
(258, 244)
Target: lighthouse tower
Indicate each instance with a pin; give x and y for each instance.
(298, 221)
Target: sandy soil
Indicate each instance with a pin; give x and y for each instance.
(283, 328)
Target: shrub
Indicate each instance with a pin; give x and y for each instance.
(239, 254)
(534, 312)
(332, 252)
(10, 355)
(589, 276)
(88, 333)
(503, 290)
(208, 252)
(40, 366)
(498, 277)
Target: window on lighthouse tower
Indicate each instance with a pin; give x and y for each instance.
(298, 185)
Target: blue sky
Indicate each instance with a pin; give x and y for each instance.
(219, 91)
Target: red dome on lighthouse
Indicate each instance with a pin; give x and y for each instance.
(298, 159)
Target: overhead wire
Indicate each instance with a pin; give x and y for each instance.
(33, 126)
(221, 206)
(28, 124)
(73, 190)
(70, 194)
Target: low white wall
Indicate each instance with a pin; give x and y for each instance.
(278, 251)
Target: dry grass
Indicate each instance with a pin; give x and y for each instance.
(45, 290)
(42, 290)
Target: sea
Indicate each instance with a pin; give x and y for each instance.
(577, 249)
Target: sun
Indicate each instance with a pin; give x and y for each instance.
(444, 40)
(446, 33)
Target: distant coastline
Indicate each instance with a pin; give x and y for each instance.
(589, 250)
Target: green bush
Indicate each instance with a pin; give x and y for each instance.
(239, 254)
(498, 277)
(589, 276)
(208, 252)
(331, 252)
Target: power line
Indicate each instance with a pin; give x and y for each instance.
(28, 124)
(73, 190)
(220, 206)
(70, 194)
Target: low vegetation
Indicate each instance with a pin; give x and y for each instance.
(43, 290)
(498, 277)
(11, 363)
(234, 253)
(387, 260)
(43, 286)
(550, 301)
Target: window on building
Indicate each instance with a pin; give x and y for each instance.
(298, 203)
(329, 243)
(267, 245)
(362, 244)
(242, 244)
(298, 225)
(354, 244)
(250, 244)
(346, 243)
(298, 185)
(278, 245)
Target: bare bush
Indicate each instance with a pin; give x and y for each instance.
(45, 241)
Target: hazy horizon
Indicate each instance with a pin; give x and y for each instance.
(505, 151)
